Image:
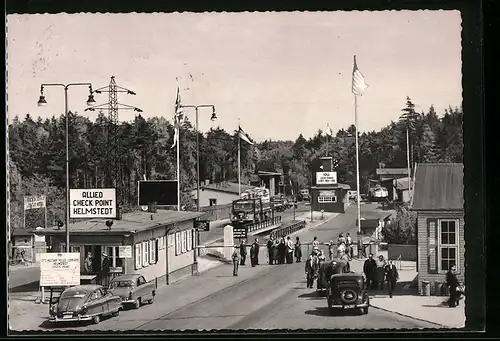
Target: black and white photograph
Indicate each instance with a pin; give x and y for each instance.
(235, 171)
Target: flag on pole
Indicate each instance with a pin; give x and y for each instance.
(328, 130)
(177, 117)
(244, 136)
(358, 81)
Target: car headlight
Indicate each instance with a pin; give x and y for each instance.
(53, 309)
(84, 310)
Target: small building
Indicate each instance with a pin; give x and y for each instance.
(388, 178)
(219, 194)
(156, 245)
(439, 203)
(402, 187)
(26, 245)
(272, 181)
(333, 198)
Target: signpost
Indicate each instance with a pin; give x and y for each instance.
(125, 251)
(202, 225)
(240, 232)
(326, 178)
(33, 202)
(92, 203)
(59, 269)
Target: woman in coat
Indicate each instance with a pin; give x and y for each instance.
(298, 250)
(276, 254)
(253, 255)
(282, 251)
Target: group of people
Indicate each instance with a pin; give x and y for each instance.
(343, 248)
(280, 251)
(313, 264)
(380, 271)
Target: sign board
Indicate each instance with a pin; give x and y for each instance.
(326, 193)
(125, 251)
(34, 201)
(59, 269)
(326, 178)
(202, 225)
(240, 232)
(92, 203)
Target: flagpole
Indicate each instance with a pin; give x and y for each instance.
(408, 158)
(179, 172)
(357, 162)
(327, 143)
(239, 159)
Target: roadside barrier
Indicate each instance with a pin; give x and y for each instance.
(263, 224)
(287, 230)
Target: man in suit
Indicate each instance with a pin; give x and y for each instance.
(236, 260)
(243, 252)
(256, 243)
(270, 244)
(369, 269)
(391, 276)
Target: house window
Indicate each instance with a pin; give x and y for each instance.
(212, 202)
(178, 244)
(152, 251)
(114, 256)
(330, 199)
(145, 253)
(448, 245)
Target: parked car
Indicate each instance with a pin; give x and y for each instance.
(133, 290)
(330, 268)
(347, 291)
(84, 303)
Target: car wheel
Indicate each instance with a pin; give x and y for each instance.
(152, 299)
(96, 319)
(137, 303)
(364, 310)
(116, 313)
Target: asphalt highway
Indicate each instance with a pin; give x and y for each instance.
(264, 297)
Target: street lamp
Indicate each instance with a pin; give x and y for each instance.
(43, 102)
(213, 118)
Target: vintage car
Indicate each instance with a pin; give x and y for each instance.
(133, 289)
(84, 303)
(347, 291)
(329, 268)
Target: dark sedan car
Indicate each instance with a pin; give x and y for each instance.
(84, 303)
(347, 291)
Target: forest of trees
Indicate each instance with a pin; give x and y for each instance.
(37, 157)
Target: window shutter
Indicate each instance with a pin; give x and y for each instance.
(432, 253)
(138, 255)
(145, 253)
(155, 260)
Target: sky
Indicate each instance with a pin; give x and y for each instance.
(279, 73)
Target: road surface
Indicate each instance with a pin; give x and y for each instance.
(264, 297)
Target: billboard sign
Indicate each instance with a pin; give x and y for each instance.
(92, 203)
(202, 225)
(34, 201)
(326, 178)
(125, 251)
(162, 192)
(240, 232)
(59, 269)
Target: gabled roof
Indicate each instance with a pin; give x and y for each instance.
(227, 187)
(438, 186)
(392, 171)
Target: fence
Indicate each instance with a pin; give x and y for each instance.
(287, 230)
(263, 224)
(402, 252)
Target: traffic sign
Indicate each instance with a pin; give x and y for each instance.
(240, 232)
(202, 225)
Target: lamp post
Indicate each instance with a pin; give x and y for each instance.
(213, 118)
(41, 103)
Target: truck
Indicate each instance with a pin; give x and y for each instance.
(378, 194)
(252, 206)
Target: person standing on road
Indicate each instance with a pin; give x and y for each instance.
(341, 251)
(369, 269)
(391, 276)
(243, 252)
(349, 243)
(253, 255)
(331, 248)
(257, 248)
(298, 250)
(276, 254)
(236, 260)
(315, 244)
(282, 251)
(341, 239)
(452, 282)
(270, 244)
(381, 263)
(106, 267)
(289, 250)
(310, 265)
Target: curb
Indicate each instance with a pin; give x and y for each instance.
(412, 317)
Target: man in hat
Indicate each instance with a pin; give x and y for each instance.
(452, 282)
(106, 265)
(243, 252)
